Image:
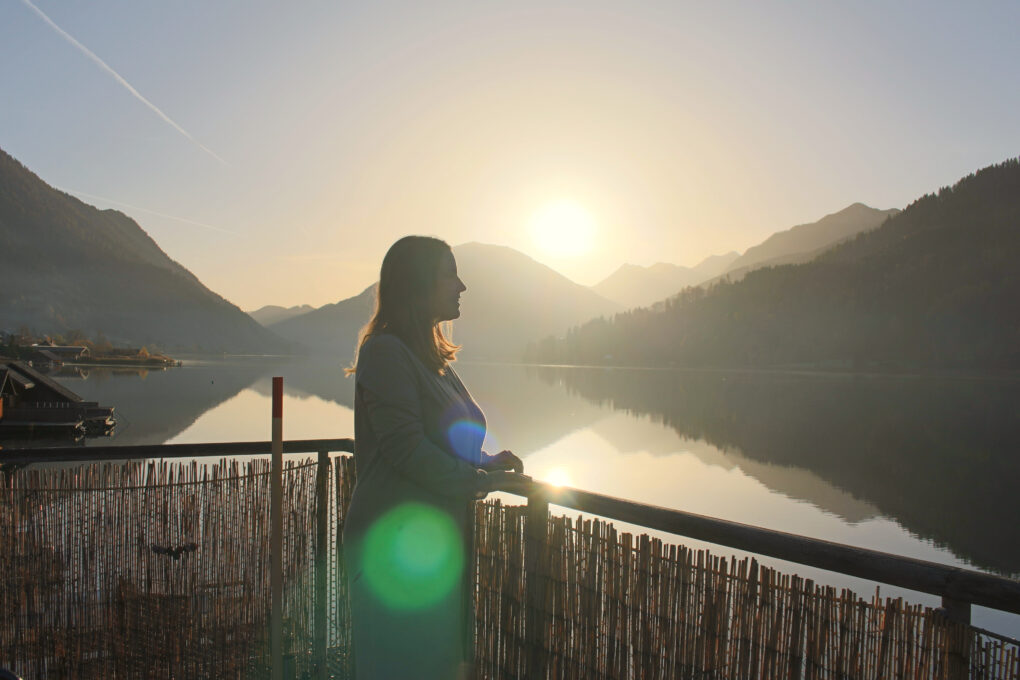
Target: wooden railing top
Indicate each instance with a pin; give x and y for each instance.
(953, 583)
(79, 454)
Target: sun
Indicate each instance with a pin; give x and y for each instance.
(558, 476)
(563, 229)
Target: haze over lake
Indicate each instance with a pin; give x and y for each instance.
(913, 465)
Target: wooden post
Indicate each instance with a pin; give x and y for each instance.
(535, 560)
(276, 535)
(321, 556)
(956, 610)
(960, 637)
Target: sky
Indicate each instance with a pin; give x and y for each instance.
(278, 149)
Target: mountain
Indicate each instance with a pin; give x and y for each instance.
(804, 241)
(510, 300)
(330, 329)
(271, 314)
(635, 286)
(67, 265)
(934, 286)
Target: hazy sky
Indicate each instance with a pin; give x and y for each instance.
(277, 149)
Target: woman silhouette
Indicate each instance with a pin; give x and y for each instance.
(418, 450)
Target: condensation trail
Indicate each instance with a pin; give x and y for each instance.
(120, 79)
(146, 210)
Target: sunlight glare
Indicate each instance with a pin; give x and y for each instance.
(563, 229)
(558, 476)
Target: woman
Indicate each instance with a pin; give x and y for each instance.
(418, 438)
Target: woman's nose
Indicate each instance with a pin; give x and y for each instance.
(460, 284)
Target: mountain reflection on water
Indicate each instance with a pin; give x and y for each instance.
(937, 455)
(154, 406)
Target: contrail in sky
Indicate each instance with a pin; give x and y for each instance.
(106, 67)
(151, 212)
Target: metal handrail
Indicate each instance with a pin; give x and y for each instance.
(959, 588)
(73, 454)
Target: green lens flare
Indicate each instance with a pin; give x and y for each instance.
(413, 556)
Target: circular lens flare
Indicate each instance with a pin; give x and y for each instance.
(413, 556)
(466, 437)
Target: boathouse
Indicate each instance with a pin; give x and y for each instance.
(34, 403)
(64, 352)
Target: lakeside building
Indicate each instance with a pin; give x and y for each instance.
(34, 404)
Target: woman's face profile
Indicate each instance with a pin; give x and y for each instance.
(448, 287)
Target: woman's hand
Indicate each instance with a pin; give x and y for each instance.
(504, 460)
(511, 482)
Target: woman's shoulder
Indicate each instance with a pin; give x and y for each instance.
(383, 344)
(383, 361)
(385, 349)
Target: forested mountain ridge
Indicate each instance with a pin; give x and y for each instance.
(67, 265)
(936, 285)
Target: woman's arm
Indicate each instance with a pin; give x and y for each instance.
(504, 460)
(390, 395)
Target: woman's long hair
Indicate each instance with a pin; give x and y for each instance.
(404, 299)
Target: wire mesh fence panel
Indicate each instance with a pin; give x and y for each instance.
(340, 652)
(616, 606)
(151, 569)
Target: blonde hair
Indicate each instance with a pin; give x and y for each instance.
(403, 302)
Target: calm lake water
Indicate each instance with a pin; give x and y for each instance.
(920, 466)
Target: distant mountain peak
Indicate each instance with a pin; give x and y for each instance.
(270, 314)
(803, 241)
(632, 285)
(511, 299)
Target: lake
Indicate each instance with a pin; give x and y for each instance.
(924, 466)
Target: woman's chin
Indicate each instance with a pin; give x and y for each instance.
(450, 316)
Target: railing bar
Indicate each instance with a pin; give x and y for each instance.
(72, 454)
(197, 482)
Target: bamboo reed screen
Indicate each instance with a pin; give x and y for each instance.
(143, 570)
(151, 570)
(616, 607)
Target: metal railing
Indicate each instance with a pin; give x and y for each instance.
(959, 588)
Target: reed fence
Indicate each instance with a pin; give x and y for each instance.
(140, 570)
(159, 569)
(615, 605)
